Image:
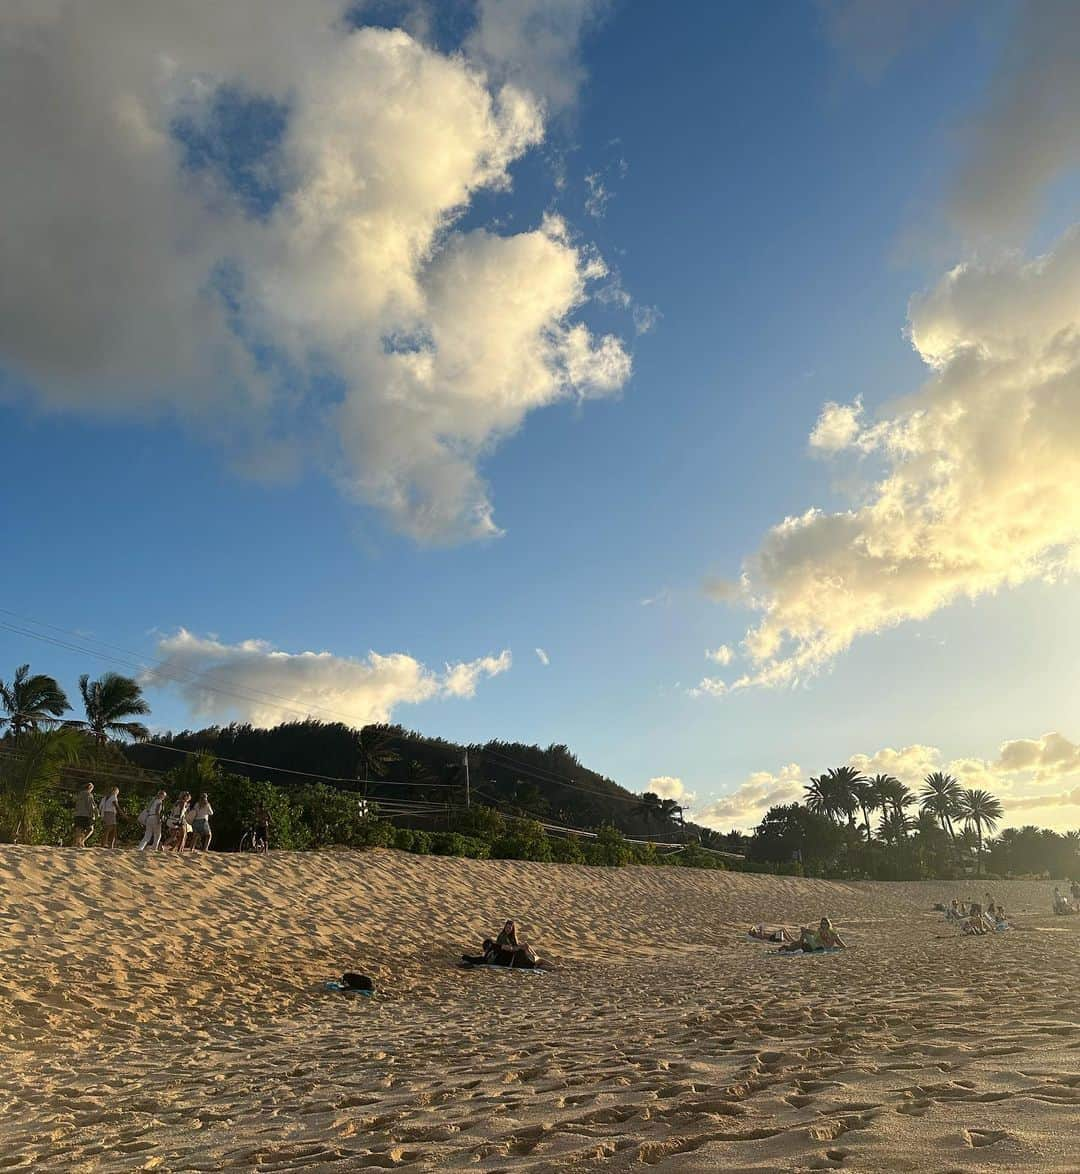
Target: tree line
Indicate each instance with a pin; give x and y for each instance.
(936, 832)
(327, 783)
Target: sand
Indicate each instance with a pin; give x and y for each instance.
(168, 1014)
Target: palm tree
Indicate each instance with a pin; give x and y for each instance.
(832, 794)
(984, 811)
(941, 796)
(30, 774)
(107, 702)
(866, 796)
(374, 755)
(30, 701)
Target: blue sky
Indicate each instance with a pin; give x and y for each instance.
(342, 456)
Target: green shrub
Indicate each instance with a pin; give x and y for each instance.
(483, 823)
(377, 833)
(610, 848)
(567, 851)
(524, 839)
(455, 844)
(421, 843)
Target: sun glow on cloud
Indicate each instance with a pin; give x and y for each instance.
(972, 483)
(244, 214)
(1030, 774)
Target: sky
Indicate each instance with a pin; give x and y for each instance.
(699, 388)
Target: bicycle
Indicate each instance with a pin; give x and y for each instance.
(254, 841)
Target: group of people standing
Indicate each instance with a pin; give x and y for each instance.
(186, 825)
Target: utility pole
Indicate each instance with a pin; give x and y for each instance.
(466, 780)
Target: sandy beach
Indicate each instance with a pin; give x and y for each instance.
(168, 1014)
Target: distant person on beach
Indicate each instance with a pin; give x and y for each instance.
(177, 823)
(824, 937)
(84, 814)
(110, 818)
(953, 912)
(150, 818)
(1061, 902)
(1074, 888)
(261, 826)
(200, 823)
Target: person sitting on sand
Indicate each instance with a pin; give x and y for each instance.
(1000, 920)
(953, 912)
(1061, 902)
(505, 950)
(768, 933)
(822, 938)
(975, 923)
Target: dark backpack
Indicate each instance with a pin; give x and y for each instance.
(356, 982)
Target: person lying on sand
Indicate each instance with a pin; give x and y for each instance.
(505, 950)
(769, 933)
(822, 938)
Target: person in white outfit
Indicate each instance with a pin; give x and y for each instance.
(152, 822)
(109, 810)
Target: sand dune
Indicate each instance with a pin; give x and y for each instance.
(167, 1014)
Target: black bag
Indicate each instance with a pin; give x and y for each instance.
(356, 982)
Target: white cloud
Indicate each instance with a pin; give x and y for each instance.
(979, 482)
(708, 687)
(837, 426)
(598, 195)
(745, 806)
(670, 787)
(461, 680)
(542, 656)
(253, 681)
(312, 302)
(535, 44)
(722, 655)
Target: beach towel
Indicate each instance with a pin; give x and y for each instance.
(803, 953)
(492, 966)
(341, 989)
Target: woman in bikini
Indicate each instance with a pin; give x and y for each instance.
(822, 938)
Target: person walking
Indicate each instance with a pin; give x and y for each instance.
(109, 810)
(84, 814)
(177, 823)
(150, 818)
(200, 823)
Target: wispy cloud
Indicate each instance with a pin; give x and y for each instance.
(542, 656)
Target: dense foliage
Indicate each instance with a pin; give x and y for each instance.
(326, 784)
